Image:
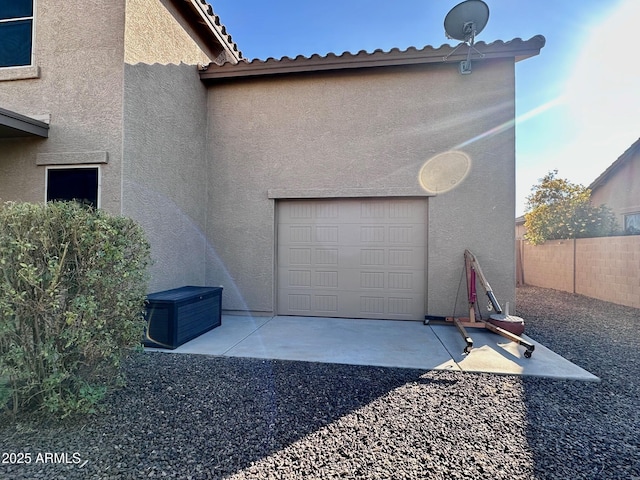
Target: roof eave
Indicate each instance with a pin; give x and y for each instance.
(14, 125)
(634, 149)
(215, 30)
(517, 49)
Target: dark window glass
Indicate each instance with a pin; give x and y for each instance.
(632, 223)
(16, 8)
(15, 43)
(67, 184)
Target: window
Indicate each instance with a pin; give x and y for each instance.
(79, 184)
(16, 32)
(632, 223)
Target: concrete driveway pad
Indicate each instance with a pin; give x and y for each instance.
(386, 343)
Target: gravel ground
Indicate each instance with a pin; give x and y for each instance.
(184, 416)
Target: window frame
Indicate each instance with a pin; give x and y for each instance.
(74, 167)
(18, 69)
(624, 219)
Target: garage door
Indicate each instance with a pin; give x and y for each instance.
(352, 258)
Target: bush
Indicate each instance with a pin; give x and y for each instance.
(73, 283)
(559, 209)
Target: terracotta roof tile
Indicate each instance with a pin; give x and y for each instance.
(216, 26)
(516, 48)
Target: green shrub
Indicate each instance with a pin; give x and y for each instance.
(72, 288)
(559, 209)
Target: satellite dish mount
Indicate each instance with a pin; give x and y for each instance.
(464, 22)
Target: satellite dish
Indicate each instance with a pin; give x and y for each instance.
(464, 22)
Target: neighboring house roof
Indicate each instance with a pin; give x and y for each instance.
(633, 150)
(13, 125)
(202, 17)
(517, 48)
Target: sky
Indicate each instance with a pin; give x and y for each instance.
(577, 103)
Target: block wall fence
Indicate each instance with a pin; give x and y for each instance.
(606, 268)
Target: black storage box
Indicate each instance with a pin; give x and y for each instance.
(176, 316)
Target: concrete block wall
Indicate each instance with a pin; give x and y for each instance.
(549, 265)
(609, 269)
(606, 268)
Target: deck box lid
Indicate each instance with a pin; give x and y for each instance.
(183, 293)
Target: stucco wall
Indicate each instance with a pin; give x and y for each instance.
(165, 188)
(165, 141)
(153, 132)
(363, 133)
(157, 33)
(621, 191)
(79, 53)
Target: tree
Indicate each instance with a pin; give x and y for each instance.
(559, 209)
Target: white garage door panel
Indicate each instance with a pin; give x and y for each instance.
(358, 258)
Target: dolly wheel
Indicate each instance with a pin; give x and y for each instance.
(527, 354)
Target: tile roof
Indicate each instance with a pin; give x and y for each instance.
(516, 48)
(207, 19)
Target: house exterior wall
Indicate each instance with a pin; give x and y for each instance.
(164, 187)
(78, 53)
(165, 140)
(156, 33)
(120, 85)
(363, 133)
(621, 191)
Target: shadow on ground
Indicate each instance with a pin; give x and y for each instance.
(200, 417)
(576, 429)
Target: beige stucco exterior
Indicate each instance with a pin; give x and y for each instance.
(362, 133)
(203, 164)
(164, 187)
(119, 85)
(78, 83)
(619, 186)
(165, 141)
(156, 33)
